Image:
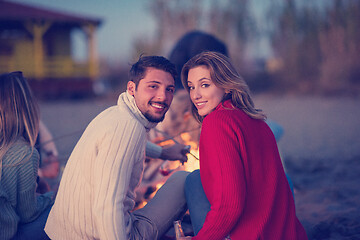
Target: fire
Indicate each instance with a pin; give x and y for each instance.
(192, 162)
(144, 201)
(166, 168)
(157, 187)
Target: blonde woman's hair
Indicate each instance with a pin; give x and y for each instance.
(223, 75)
(19, 113)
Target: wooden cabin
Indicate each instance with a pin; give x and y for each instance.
(38, 42)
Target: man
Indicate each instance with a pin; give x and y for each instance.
(96, 194)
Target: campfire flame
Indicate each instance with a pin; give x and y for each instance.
(168, 167)
(192, 163)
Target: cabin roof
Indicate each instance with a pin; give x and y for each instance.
(11, 11)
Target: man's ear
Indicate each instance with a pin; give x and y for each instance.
(131, 86)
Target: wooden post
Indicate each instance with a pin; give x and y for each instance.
(92, 51)
(38, 29)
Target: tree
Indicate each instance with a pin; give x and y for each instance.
(229, 20)
(318, 46)
(295, 41)
(340, 45)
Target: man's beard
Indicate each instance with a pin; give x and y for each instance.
(151, 118)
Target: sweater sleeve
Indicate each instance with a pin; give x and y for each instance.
(222, 175)
(8, 217)
(153, 150)
(30, 205)
(19, 202)
(115, 161)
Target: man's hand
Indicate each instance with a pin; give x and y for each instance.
(175, 152)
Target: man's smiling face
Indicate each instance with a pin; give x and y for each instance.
(154, 93)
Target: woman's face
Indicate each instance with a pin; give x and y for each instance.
(203, 92)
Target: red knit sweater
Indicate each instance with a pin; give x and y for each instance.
(244, 180)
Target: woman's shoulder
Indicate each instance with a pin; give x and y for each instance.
(229, 117)
(218, 119)
(225, 113)
(20, 145)
(18, 151)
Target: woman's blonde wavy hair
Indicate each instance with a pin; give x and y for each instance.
(223, 75)
(19, 112)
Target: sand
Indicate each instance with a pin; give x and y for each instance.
(320, 148)
(321, 151)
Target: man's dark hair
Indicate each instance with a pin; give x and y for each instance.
(138, 69)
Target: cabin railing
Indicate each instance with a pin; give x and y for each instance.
(51, 67)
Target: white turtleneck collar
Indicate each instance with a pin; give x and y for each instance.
(127, 100)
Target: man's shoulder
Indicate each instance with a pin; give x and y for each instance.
(114, 117)
(113, 113)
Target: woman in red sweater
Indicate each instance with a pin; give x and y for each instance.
(243, 192)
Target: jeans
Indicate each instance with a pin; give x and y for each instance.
(158, 215)
(197, 201)
(35, 229)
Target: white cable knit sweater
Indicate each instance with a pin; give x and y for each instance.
(96, 192)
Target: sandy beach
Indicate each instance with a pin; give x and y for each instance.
(320, 149)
